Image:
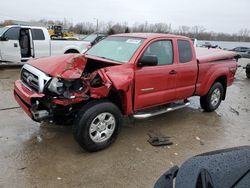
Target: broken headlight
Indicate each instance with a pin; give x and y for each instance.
(56, 86)
(64, 88)
(96, 81)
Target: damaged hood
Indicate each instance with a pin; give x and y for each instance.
(68, 66)
(71, 66)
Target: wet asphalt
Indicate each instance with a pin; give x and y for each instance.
(46, 155)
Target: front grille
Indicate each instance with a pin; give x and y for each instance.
(30, 79)
(34, 78)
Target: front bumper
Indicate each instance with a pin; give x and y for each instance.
(27, 99)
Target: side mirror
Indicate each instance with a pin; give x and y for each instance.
(3, 38)
(148, 60)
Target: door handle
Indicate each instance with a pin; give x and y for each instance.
(15, 45)
(172, 72)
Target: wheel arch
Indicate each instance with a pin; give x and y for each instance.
(223, 80)
(71, 51)
(117, 97)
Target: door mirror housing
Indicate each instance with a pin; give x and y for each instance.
(148, 60)
(3, 38)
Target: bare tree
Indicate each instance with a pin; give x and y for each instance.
(196, 31)
(183, 29)
(243, 34)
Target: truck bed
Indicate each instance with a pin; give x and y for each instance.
(214, 63)
(205, 55)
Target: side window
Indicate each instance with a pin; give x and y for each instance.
(163, 50)
(185, 51)
(37, 34)
(12, 33)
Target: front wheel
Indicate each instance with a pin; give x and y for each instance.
(212, 99)
(97, 125)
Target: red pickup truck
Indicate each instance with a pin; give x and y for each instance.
(136, 74)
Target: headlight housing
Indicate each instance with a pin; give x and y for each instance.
(56, 86)
(65, 88)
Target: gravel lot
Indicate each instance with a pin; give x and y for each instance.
(34, 155)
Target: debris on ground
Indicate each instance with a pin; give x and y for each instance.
(39, 139)
(23, 168)
(199, 139)
(59, 178)
(158, 139)
(138, 149)
(234, 111)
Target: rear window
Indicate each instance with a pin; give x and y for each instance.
(37, 34)
(185, 51)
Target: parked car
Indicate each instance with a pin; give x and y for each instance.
(94, 38)
(20, 43)
(241, 49)
(209, 45)
(216, 169)
(136, 74)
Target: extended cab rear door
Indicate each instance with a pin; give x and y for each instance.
(41, 42)
(187, 69)
(155, 85)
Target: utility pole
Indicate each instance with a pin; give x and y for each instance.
(96, 24)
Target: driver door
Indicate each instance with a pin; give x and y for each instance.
(10, 49)
(155, 85)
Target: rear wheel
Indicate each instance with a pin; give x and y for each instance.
(248, 75)
(212, 99)
(97, 125)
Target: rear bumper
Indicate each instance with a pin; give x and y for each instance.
(26, 98)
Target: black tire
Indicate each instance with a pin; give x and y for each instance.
(206, 101)
(248, 75)
(248, 70)
(83, 121)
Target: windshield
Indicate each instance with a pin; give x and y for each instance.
(2, 30)
(119, 49)
(90, 38)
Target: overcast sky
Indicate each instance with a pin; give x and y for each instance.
(217, 15)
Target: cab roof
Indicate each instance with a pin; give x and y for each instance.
(149, 35)
(25, 26)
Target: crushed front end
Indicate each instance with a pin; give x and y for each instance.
(43, 97)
